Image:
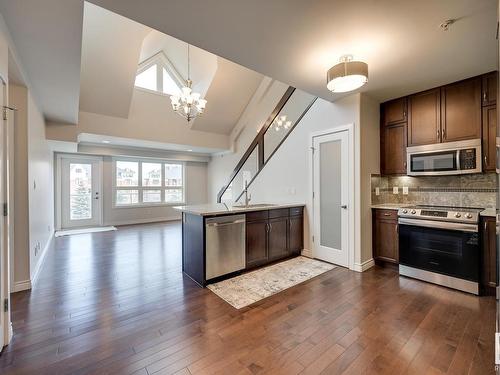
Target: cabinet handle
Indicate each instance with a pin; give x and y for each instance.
(290, 224)
(270, 227)
(386, 214)
(437, 135)
(404, 114)
(397, 228)
(485, 160)
(485, 225)
(404, 165)
(443, 135)
(484, 96)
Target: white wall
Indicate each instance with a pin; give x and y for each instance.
(41, 187)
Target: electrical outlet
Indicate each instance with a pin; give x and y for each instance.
(377, 191)
(395, 190)
(405, 190)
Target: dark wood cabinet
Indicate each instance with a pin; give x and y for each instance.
(489, 120)
(489, 89)
(461, 110)
(393, 149)
(277, 238)
(273, 235)
(424, 118)
(295, 234)
(394, 112)
(385, 236)
(489, 256)
(256, 243)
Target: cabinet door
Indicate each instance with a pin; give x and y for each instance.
(295, 235)
(489, 134)
(393, 149)
(490, 84)
(461, 111)
(394, 111)
(256, 243)
(488, 271)
(277, 245)
(424, 118)
(386, 240)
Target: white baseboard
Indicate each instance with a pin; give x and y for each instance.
(307, 253)
(142, 221)
(19, 286)
(362, 267)
(36, 272)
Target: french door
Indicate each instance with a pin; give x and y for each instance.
(331, 196)
(81, 201)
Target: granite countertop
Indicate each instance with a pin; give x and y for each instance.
(491, 212)
(221, 208)
(390, 206)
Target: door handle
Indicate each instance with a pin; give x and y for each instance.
(344, 206)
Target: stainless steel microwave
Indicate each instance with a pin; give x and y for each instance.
(444, 158)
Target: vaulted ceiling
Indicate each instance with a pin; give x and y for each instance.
(294, 41)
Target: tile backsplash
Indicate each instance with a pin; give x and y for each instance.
(473, 190)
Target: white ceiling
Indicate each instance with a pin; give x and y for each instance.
(111, 46)
(296, 41)
(48, 39)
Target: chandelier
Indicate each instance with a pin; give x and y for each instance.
(281, 122)
(188, 104)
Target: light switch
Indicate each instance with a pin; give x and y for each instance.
(405, 190)
(395, 190)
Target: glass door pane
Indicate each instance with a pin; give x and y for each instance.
(80, 198)
(330, 194)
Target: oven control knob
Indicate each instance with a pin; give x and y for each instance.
(457, 215)
(413, 212)
(468, 215)
(405, 211)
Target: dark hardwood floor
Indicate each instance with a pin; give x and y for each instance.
(117, 303)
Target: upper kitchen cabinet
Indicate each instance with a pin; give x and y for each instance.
(445, 114)
(394, 112)
(393, 136)
(424, 118)
(461, 110)
(489, 89)
(489, 137)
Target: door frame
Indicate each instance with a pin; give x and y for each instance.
(351, 208)
(58, 184)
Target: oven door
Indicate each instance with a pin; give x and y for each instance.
(426, 245)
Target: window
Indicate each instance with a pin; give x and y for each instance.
(148, 183)
(159, 75)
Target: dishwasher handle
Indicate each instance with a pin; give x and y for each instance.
(227, 223)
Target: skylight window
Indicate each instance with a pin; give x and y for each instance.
(159, 75)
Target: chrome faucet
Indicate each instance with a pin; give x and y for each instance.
(248, 197)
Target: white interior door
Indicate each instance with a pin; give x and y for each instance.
(81, 203)
(4, 257)
(331, 195)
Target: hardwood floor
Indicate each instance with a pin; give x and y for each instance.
(117, 303)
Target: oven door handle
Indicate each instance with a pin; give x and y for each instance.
(462, 227)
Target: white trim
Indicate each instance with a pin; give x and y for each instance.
(143, 221)
(362, 267)
(161, 61)
(19, 286)
(69, 232)
(352, 204)
(36, 272)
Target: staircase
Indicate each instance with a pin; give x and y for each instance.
(279, 125)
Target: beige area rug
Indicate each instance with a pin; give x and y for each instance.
(243, 290)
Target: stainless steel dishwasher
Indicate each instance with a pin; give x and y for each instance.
(225, 245)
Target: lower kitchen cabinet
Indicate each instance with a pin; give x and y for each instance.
(256, 243)
(295, 234)
(273, 237)
(489, 256)
(385, 235)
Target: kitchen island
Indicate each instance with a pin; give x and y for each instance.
(221, 240)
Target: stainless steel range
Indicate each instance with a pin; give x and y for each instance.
(440, 244)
